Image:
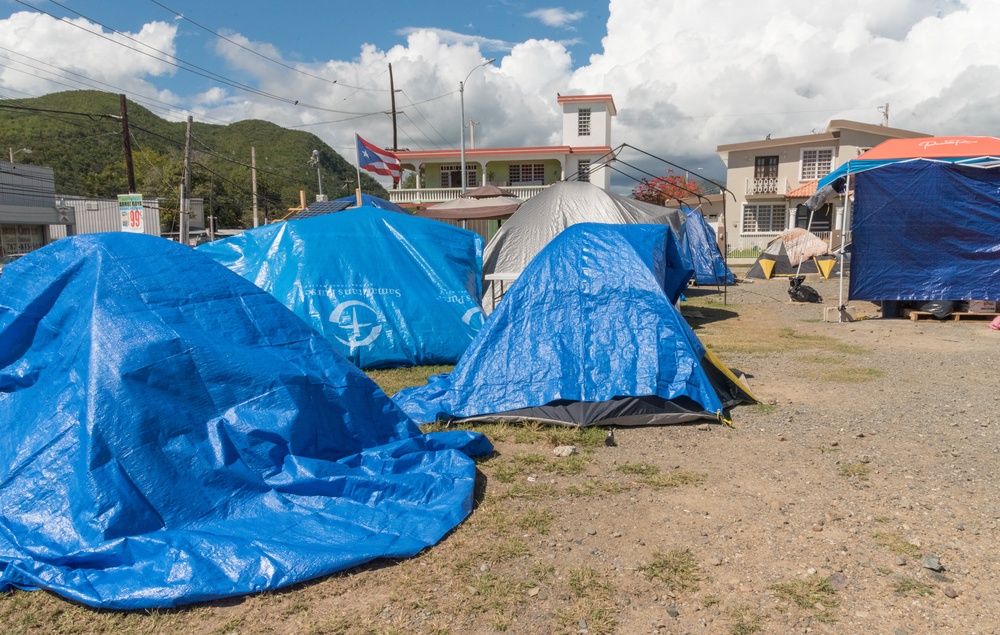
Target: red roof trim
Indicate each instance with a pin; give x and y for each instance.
(499, 152)
(569, 99)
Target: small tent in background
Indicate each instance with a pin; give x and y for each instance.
(539, 219)
(700, 251)
(488, 202)
(173, 434)
(386, 289)
(588, 334)
(794, 252)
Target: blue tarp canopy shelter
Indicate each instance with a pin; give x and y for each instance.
(588, 333)
(386, 289)
(926, 230)
(173, 434)
(700, 251)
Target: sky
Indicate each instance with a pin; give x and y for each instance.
(686, 77)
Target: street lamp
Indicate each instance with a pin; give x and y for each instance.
(461, 94)
(314, 160)
(13, 152)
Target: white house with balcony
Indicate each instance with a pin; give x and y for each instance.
(773, 178)
(586, 138)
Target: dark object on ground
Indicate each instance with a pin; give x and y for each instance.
(799, 292)
(939, 308)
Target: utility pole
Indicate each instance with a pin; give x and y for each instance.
(885, 115)
(392, 93)
(126, 136)
(185, 237)
(253, 178)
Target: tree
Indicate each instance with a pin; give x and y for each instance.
(663, 190)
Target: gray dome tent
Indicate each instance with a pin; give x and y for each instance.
(540, 219)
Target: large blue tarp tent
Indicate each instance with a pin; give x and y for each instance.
(700, 250)
(589, 332)
(386, 289)
(926, 230)
(172, 434)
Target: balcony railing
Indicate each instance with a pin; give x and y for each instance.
(430, 195)
(767, 185)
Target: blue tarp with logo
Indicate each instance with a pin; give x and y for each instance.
(386, 289)
(172, 434)
(700, 250)
(588, 332)
(926, 230)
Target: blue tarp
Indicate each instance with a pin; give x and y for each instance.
(926, 230)
(590, 320)
(700, 251)
(172, 434)
(384, 288)
(374, 201)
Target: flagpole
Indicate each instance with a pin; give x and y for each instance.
(357, 156)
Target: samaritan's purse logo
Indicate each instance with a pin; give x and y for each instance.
(359, 322)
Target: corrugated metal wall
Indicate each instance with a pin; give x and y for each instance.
(94, 216)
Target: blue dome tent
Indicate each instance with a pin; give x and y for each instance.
(589, 333)
(384, 288)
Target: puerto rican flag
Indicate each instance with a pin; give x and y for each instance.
(375, 159)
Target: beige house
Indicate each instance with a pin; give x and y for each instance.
(525, 171)
(772, 179)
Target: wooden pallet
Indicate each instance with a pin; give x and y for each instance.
(917, 316)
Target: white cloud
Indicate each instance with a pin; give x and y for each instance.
(557, 17)
(37, 46)
(684, 79)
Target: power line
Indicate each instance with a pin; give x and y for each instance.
(261, 55)
(167, 58)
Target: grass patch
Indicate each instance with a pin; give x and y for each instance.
(585, 582)
(746, 621)
(506, 472)
(895, 543)
(847, 375)
(532, 491)
(854, 470)
(907, 586)
(765, 408)
(588, 438)
(592, 602)
(593, 488)
(392, 380)
(826, 449)
(639, 469)
(676, 478)
(567, 466)
(537, 520)
(709, 601)
(813, 594)
(676, 569)
(769, 340)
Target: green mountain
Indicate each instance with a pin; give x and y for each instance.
(79, 135)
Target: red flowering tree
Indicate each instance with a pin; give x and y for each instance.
(663, 190)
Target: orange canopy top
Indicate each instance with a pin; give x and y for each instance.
(933, 148)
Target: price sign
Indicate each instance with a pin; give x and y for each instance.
(130, 208)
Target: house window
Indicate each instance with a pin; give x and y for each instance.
(583, 170)
(527, 173)
(765, 167)
(450, 175)
(822, 219)
(763, 218)
(816, 163)
(583, 122)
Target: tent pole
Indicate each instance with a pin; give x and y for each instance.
(843, 241)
